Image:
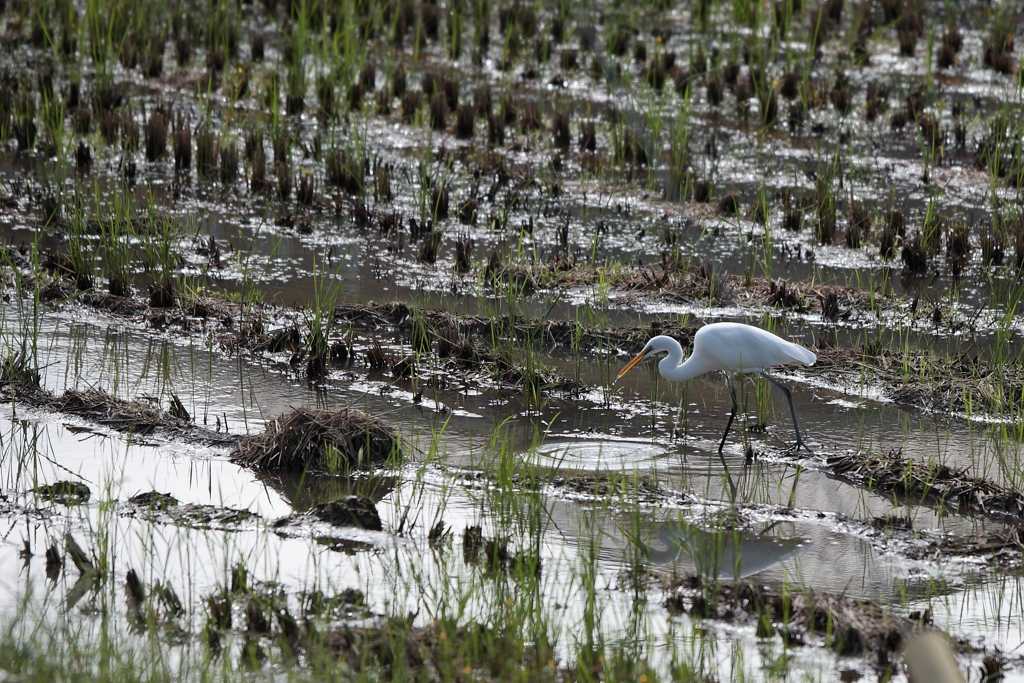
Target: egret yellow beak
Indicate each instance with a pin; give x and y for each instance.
(633, 363)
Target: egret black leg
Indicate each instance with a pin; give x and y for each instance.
(792, 410)
(732, 415)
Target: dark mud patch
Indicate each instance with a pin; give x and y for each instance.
(354, 511)
(198, 311)
(337, 544)
(848, 626)
(351, 511)
(163, 508)
(64, 492)
(320, 440)
(306, 490)
(953, 488)
(643, 489)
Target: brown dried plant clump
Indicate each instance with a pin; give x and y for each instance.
(97, 405)
(956, 488)
(320, 440)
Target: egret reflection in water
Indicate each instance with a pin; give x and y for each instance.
(721, 554)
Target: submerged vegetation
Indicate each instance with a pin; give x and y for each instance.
(311, 313)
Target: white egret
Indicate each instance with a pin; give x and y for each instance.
(733, 348)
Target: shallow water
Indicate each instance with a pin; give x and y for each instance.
(631, 437)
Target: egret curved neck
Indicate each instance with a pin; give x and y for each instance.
(672, 368)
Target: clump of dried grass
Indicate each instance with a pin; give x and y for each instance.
(101, 407)
(321, 440)
(955, 487)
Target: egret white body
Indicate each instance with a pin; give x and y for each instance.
(732, 348)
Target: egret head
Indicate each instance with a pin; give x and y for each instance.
(661, 343)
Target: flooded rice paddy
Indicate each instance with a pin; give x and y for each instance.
(312, 314)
